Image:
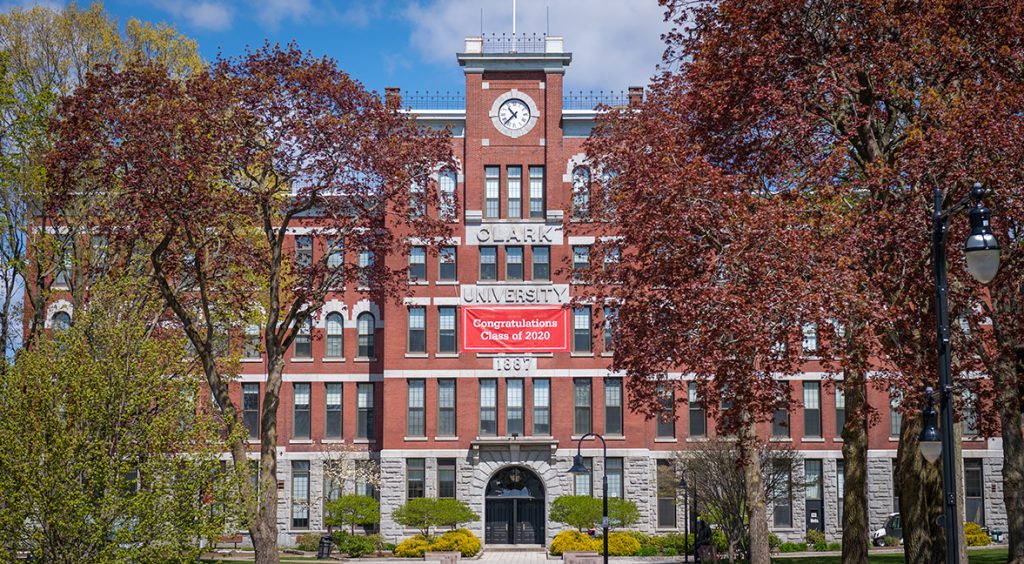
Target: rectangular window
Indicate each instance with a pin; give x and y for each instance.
(417, 329)
(666, 426)
(611, 317)
(541, 407)
(970, 414)
(446, 267)
(613, 406)
(415, 477)
(895, 415)
(974, 491)
(488, 263)
(446, 329)
(780, 423)
(840, 410)
(488, 407)
(365, 469)
(335, 329)
(446, 407)
(513, 263)
(514, 180)
(300, 494)
(580, 262)
(536, 191)
(303, 251)
(614, 470)
(581, 329)
(417, 264)
(667, 482)
(364, 410)
(252, 343)
(583, 483)
(300, 416)
(782, 516)
(304, 340)
(581, 402)
(251, 409)
(841, 485)
(332, 410)
(513, 406)
(365, 268)
(446, 186)
(612, 257)
(813, 479)
(895, 488)
(416, 422)
(812, 409)
(492, 191)
(698, 419)
(335, 261)
(445, 477)
(809, 343)
(417, 205)
(541, 268)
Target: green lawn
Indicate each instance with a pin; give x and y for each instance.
(987, 556)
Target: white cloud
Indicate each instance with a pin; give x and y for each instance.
(272, 13)
(614, 44)
(206, 15)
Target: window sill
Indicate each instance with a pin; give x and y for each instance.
(416, 355)
(365, 359)
(445, 439)
(582, 354)
(780, 440)
(337, 359)
(527, 355)
(414, 439)
(607, 354)
(419, 282)
(253, 441)
(446, 355)
(615, 437)
(251, 360)
(332, 441)
(893, 439)
(303, 359)
(700, 439)
(813, 439)
(447, 283)
(364, 441)
(300, 442)
(666, 440)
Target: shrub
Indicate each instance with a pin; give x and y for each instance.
(976, 536)
(890, 541)
(461, 540)
(351, 510)
(679, 542)
(583, 512)
(671, 551)
(390, 546)
(573, 541)
(835, 546)
(821, 546)
(356, 545)
(642, 538)
(774, 541)
(619, 544)
(793, 547)
(647, 551)
(412, 547)
(308, 542)
(814, 536)
(424, 513)
(720, 541)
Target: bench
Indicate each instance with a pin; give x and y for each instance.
(235, 539)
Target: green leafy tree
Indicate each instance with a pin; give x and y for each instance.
(584, 512)
(351, 510)
(425, 513)
(109, 453)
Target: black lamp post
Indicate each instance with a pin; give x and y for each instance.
(686, 519)
(981, 251)
(579, 468)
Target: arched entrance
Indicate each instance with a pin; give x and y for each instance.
(514, 507)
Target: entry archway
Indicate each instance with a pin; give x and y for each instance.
(514, 507)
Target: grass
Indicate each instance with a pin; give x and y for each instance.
(986, 556)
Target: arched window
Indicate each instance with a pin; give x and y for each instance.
(60, 321)
(581, 192)
(304, 340)
(335, 330)
(367, 337)
(448, 180)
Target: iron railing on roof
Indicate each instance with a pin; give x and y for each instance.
(590, 99)
(517, 43)
(434, 100)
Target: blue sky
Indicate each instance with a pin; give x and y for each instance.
(412, 43)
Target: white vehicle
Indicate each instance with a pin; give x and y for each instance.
(892, 528)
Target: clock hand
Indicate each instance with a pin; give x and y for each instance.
(514, 115)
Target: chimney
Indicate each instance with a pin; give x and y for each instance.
(636, 95)
(392, 94)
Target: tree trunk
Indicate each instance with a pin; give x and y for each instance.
(1009, 381)
(760, 552)
(920, 489)
(856, 535)
(264, 527)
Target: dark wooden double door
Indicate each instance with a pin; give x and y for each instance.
(514, 521)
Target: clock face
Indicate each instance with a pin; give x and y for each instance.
(514, 114)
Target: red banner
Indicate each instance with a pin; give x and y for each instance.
(515, 329)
